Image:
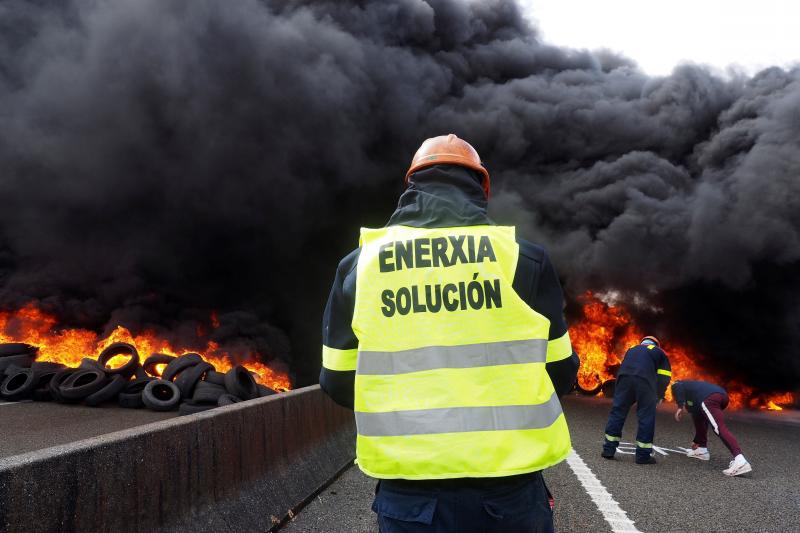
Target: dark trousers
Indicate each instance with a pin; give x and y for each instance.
(711, 413)
(630, 390)
(503, 505)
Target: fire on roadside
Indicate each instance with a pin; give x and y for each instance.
(603, 334)
(69, 346)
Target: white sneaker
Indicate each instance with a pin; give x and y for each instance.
(738, 466)
(699, 453)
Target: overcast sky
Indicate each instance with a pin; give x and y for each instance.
(659, 35)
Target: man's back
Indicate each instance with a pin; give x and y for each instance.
(447, 336)
(450, 359)
(645, 361)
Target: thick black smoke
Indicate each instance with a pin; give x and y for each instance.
(163, 158)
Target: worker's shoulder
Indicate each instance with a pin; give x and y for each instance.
(636, 349)
(531, 251)
(349, 262)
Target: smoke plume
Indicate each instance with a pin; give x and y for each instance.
(164, 158)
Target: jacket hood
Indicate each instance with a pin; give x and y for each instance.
(442, 196)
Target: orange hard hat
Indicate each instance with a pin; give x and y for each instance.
(650, 338)
(448, 149)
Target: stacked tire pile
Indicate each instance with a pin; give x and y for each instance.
(187, 383)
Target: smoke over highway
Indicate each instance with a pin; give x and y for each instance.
(162, 159)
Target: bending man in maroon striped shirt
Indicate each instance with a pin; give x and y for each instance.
(705, 401)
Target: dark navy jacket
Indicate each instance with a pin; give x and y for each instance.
(438, 197)
(649, 362)
(693, 393)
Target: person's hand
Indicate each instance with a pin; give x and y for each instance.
(678, 414)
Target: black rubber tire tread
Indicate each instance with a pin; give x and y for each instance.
(138, 385)
(150, 395)
(18, 386)
(608, 388)
(12, 369)
(131, 396)
(88, 363)
(150, 363)
(120, 348)
(205, 392)
(46, 366)
(42, 391)
(109, 392)
(228, 399)
(139, 373)
(20, 361)
(130, 400)
(43, 378)
(17, 348)
(187, 408)
(264, 391)
(82, 384)
(217, 378)
(56, 381)
(180, 364)
(188, 379)
(240, 382)
(42, 395)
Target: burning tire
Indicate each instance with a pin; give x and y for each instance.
(188, 379)
(109, 392)
(18, 386)
(82, 384)
(120, 348)
(206, 392)
(609, 387)
(593, 391)
(240, 382)
(228, 399)
(151, 363)
(180, 364)
(161, 395)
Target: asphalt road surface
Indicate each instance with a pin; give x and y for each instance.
(30, 426)
(678, 494)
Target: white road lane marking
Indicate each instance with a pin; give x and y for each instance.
(610, 509)
(14, 403)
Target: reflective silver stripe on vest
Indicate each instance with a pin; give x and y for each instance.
(458, 419)
(464, 356)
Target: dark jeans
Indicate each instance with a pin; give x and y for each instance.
(503, 505)
(630, 390)
(710, 412)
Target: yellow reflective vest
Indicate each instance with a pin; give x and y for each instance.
(450, 372)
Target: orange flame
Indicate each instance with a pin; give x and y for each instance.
(68, 346)
(606, 331)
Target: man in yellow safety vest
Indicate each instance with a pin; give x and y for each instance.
(445, 334)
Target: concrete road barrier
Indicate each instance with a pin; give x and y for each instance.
(234, 469)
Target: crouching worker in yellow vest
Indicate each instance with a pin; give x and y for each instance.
(445, 334)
